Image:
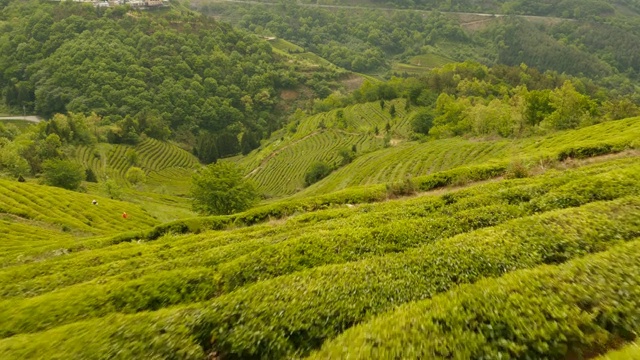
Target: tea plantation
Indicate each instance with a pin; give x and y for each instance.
(545, 264)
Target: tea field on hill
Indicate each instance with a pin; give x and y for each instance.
(321, 283)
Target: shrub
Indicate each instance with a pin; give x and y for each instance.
(221, 189)
(318, 171)
(112, 189)
(132, 157)
(402, 188)
(90, 175)
(135, 175)
(63, 173)
(516, 170)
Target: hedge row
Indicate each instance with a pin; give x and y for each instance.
(350, 234)
(87, 301)
(460, 216)
(368, 194)
(359, 195)
(96, 299)
(561, 312)
(291, 315)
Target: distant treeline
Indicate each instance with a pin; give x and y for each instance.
(472, 99)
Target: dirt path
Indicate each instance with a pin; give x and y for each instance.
(30, 118)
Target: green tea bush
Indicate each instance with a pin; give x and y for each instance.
(568, 311)
(303, 239)
(291, 315)
(150, 292)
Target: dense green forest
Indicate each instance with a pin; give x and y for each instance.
(167, 73)
(560, 8)
(604, 47)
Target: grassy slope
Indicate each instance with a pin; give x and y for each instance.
(283, 288)
(130, 277)
(168, 170)
(183, 270)
(279, 167)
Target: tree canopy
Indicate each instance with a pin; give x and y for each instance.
(220, 189)
(63, 173)
(168, 73)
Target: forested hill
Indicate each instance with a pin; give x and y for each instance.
(595, 39)
(173, 72)
(560, 8)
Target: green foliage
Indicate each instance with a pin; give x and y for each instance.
(221, 189)
(135, 175)
(516, 170)
(132, 157)
(12, 162)
(248, 142)
(112, 189)
(85, 61)
(587, 304)
(317, 171)
(63, 173)
(90, 176)
(404, 188)
(346, 156)
(422, 121)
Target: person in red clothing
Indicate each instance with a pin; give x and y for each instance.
(124, 215)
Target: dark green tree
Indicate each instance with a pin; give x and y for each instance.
(248, 142)
(227, 144)
(63, 173)
(317, 172)
(422, 121)
(221, 188)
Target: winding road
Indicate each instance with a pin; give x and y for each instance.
(30, 118)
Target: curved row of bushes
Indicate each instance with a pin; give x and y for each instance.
(292, 315)
(252, 254)
(289, 316)
(569, 311)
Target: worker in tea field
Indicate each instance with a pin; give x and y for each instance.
(94, 202)
(124, 215)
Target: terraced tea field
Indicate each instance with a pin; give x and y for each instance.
(39, 219)
(279, 168)
(418, 159)
(415, 277)
(155, 157)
